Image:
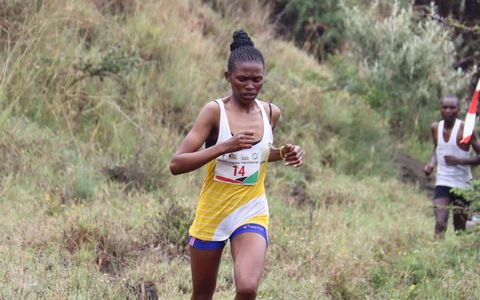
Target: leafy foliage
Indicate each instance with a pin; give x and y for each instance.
(316, 26)
(67, 232)
(462, 18)
(401, 66)
(472, 194)
(113, 62)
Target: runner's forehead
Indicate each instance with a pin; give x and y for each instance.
(449, 101)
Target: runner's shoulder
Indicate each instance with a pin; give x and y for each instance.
(211, 107)
(270, 106)
(210, 112)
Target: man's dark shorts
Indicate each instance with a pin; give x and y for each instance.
(441, 191)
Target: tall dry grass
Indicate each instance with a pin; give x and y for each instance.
(94, 101)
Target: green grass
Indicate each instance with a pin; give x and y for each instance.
(95, 103)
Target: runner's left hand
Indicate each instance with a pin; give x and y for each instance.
(292, 155)
(451, 160)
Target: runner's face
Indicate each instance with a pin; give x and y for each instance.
(449, 109)
(246, 80)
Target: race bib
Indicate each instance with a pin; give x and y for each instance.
(242, 167)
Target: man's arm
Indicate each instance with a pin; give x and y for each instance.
(429, 167)
(471, 161)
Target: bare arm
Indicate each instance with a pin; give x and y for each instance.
(188, 156)
(471, 161)
(475, 142)
(274, 152)
(428, 169)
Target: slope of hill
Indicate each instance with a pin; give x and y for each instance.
(94, 101)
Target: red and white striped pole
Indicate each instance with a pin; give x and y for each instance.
(469, 125)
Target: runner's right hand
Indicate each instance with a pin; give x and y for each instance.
(428, 169)
(241, 140)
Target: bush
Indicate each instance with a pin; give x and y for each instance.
(402, 66)
(472, 194)
(316, 26)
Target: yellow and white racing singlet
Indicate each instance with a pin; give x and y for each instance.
(233, 192)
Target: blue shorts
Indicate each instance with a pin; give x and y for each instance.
(211, 245)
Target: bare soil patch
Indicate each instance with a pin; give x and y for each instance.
(412, 172)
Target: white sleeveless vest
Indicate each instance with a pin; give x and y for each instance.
(451, 176)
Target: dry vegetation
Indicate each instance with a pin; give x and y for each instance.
(94, 99)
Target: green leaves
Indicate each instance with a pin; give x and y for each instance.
(115, 61)
(316, 26)
(471, 194)
(404, 65)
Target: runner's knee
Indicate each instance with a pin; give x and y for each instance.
(247, 290)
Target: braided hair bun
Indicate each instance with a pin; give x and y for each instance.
(243, 50)
(240, 39)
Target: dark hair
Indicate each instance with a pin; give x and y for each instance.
(243, 50)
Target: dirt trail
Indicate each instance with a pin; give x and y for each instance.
(412, 172)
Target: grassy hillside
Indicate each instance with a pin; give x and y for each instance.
(94, 101)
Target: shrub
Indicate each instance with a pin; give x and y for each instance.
(316, 26)
(169, 230)
(402, 66)
(472, 194)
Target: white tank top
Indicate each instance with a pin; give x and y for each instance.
(242, 167)
(451, 176)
